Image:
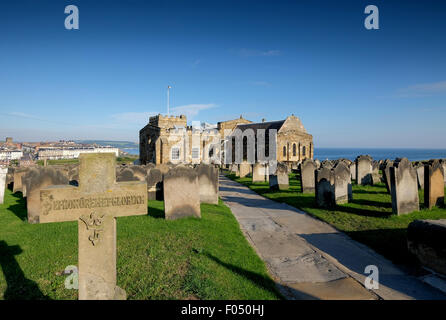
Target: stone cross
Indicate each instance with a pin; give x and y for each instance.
(95, 204)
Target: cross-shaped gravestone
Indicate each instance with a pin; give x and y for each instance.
(95, 204)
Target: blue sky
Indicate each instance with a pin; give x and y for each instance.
(352, 87)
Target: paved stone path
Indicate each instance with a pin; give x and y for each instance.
(308, 258)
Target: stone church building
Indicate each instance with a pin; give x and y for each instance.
(170, 140)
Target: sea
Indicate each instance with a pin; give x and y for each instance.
(375, 153)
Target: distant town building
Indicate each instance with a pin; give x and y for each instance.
(10, 154)
(57, 153)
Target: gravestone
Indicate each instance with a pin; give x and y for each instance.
(155, 184)
(443, 163)
(259, 172)
(279, 180)
(95, 204)
(18, 174)
(342, 183)
(404, 188)
(244, 169)
(139, 172)
(353, 170)
(324, 180)
(386, 174)
(181, 193)
(3, 173)
(35, 180)
(419, 167)
(318, 163)
(235, 169)
(376, 177)
(364, 170)
(433, 184)
(208, 182)
(327, 164)
(126, 175)
(307, 169)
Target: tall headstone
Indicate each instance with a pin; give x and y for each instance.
(376, 177)
(18, 174)
(259, 172)
(244, 169)
(3, 173)
(433, 184)
(181, 193)
(419, 167)
(155, 184)
(342, 183)
(95, 204)
(386, 174)
(364, 170)
(404, 188)
(325, 194)
(353, 170)
(307, 169)
(35, 180)
(208, 181)
(279, 180)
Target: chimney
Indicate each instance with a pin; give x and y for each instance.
(263, 119)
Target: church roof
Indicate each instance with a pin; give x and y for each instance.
(261, 125)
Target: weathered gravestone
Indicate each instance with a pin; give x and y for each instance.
(126, 175)
(279, 180)
(425, 239)
(244, 169)
(386, 174)
(139, 172)
(376, 177)
(208, 181)
(307, 169)
(404, 188)
(35, 180)
(342, 183)
(443, 163)
(318, 163)
(353, 170)
(3, 173)
(259, 172)
(325, 196)
(419, 167)
(364, 170)
(95, 204)
(433, 184)
(181, 193)
(327, 164)
(18, 174)
(235, 169)
(155, 184)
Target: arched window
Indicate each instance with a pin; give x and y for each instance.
(294, 149)
(303, 151)
(284, 151)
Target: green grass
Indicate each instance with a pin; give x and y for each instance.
(367, 219)
(206, 258)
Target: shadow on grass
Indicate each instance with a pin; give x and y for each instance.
(18, 287)
(19, 209)
(156, 213)
(370, 192)
(259, 280)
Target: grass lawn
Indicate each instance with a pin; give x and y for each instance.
(367, 219)
(206, 258)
